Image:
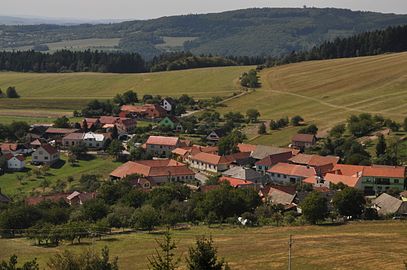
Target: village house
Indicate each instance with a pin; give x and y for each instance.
(123, 124)
(322, 164)
(279, 195)
(244, 147)
(285, 173)
(152, 111)
(184, 153)
(375, 179)
(94, 141)
(58, 133)
(209, 162)
(386, 205)
(303, 141)
(10, 148)
(79, 198)
(263, 151)
(237, 183)
(244, 174)
(45, 154)
(15, 162)
(72, 139)
(266, 163)
(159, 171)
(172, 123)
(214, 137)
(161, 146)
(168, 104)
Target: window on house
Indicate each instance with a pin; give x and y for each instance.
(396, 181)
(46, 158)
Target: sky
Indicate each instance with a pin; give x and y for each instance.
(145, 9)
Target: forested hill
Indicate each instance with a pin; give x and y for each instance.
(249, 32)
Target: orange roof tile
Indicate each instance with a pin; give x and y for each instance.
(161, 140)
(385, 171)
(210, 158)
(235, 182)
(149, 168)
(292, 169)
(246, 147)
(350, 181)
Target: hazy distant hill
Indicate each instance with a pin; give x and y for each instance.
(16, 20)
(268, 31)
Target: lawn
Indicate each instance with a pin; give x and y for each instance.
(327, 92)
(358, 245)
(10, 184)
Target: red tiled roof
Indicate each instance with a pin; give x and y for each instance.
(133, 108)
(6, 147)
(73, 136)
(350, 181)
(238, 156)
(292, 169)
(10, 156)
(49, 149)
(148, 168)
(385, 171)
(314, 160)
(180, 151)
(108, 120)
(349, 170)
(274, 159)
(61, 130)
(246, 147)
(307, 138)
(235, 182)
(210, 158)
(161, 140)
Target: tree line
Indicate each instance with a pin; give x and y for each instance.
(114, 62)
(391, 39)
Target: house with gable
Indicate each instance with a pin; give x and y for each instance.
(322, 164)
(285, 173)
(172, 123)
(168, 104)
(209, 162)
(45, 154)
(303, 141)
(161, 146)
(15, 162)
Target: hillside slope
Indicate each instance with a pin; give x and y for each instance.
(327, 92)
(42, 93)
(249, 32)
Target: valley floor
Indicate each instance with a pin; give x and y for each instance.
(357, 245)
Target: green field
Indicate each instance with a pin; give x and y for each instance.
(77, 44)
(10, 184)
(359, 245)
(327, 92)
(49, 94)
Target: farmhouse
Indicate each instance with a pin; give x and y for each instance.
(263, 151)
(159, 171)
(278, 195)
(58, 133)
(72, 139)
(168, 104)
(215, 135)
(94, 140)
(375, 179)
(237, 183)
(244, 174)
(209, 162)
(303, 141)
(266, 163)
(160, 146)
(322, 164)
(45, 154)
(290, 173)
(10, 148)
(172, 123)
(15, 162)
(78, 198)
(152, 111)
(389, 205)
(123, 124)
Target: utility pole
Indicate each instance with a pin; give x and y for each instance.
(290, 243)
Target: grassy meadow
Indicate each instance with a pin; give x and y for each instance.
(327, 92)
(11, 184)
(359, 245)
(61, 91)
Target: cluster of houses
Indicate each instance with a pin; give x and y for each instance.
(276, 172)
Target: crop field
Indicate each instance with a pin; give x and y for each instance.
(359, 245)
(327, 92)
(48, 94)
